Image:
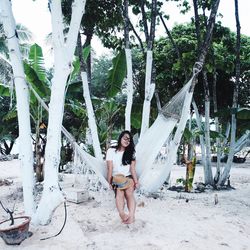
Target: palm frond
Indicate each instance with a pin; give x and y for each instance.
(5, 71)
(3, 46)
(24, 34)
(48, 39)
(25, 50)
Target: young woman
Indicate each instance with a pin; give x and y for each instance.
(121, 164)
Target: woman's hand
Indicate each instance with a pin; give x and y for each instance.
(137, 185)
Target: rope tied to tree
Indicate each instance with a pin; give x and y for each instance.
(7, 38)
(197, 68)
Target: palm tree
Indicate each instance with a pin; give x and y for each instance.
(25, 37)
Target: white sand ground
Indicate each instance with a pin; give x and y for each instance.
(167, 223)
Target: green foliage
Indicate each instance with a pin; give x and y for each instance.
(36, 74)
(10, 115)
(8, 118)
(40, 87)
(117, 73)
(170, 74)
(99, 81)
(136, 118)
(4, 91)
(181, 181)
(74, 91)
(103, 18)
(36, 61)
(74, 76)
(243, 114)
(86, 52)
(187, 134)
(214, 135)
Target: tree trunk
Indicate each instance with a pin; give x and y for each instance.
(227, 168)
(208, 168)
(218, 140)
(209, 32)
(91, 117)
(63, 54)
(129, 87)
(149, 92)
(144, 20)
(89, 107)
(202, 52)
(88, 61)
(149, 81)
(38, 148)
(201, 137)
(23, 112)
(197, 25)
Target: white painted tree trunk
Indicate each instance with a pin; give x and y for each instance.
(218, 147)
(199, 124)
(191, 143)
(149, 92)
(228, 166)
(91, 117)
(129, 90)
(227, 133)
(22, 99)
(63, 54)
(243, 141)
(208, 170)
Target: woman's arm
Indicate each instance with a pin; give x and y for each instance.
(110, 171)
(133, 173)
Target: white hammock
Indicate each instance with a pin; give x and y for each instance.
(152, 180)
(153, 175)
(152, 141)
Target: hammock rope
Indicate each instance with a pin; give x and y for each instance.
(96, 165)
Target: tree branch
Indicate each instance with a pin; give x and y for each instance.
(137, 36)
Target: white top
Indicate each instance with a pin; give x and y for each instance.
(116, 158)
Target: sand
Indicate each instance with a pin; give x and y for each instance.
(172, 221)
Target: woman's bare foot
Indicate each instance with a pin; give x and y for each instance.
(124, 217)
(130, 220)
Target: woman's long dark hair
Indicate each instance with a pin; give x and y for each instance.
(129, 153)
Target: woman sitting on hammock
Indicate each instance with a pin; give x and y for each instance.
(122, 175)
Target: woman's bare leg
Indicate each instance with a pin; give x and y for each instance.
(120, 202)
(129, 194)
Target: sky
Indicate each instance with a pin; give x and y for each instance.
(36, 17)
